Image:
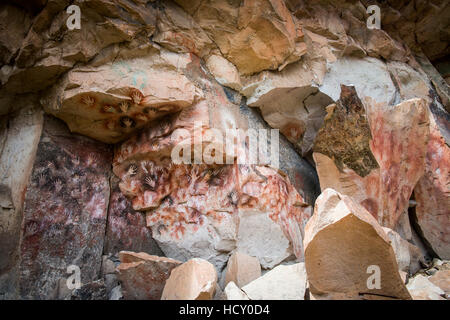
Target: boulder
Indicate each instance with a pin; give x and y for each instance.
(232, 292)
(284, 282)
(144, 276)
(242, 269)
(441, 278)
(224, 72)
(202, 207)
(195, 279)
(109, 102)
(338, 262)
(421, 288)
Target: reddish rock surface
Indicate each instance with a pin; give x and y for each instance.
(126, 228)
(65, 210)
(432, 192)
(382, 176)
(144, 276)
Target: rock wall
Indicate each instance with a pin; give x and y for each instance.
(114, 137)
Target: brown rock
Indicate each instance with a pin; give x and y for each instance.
(224, 71)
(193, 280)
(338, 262)
(242, 269)
(177, 31)
(441, 279)
(408, 255)
(19, 138)
(17, 22)
(144, 276)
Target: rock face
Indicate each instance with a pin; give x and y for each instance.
(126, 228)
(432, 192)
(143, 276)
(252, 36)
(112, 101)
(207, 129)
(337, 261)
(421, 288)
(284, 282)
(242, 269)
(232, 292)
(19, 138)
(65, 210)
(193, 280)
(377, 161)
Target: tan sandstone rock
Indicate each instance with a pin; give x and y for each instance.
(421, 288)
(442, 279)
(208, 209)
(284, 282)
(224, 71)
(19, 138)
(195, 279)
(408, 255)
(432, 191)
(337, 259)
(144, 276)
(111, 101)
(242, 269)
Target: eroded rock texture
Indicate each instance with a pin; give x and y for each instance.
(126, 228)
(432, 191)
(149, 91)
(19, 137)
(384, 147)
(207, 210)
(143, 276)
(65, 210)
(339, 232)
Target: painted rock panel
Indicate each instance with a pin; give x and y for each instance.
(200, 209)
(65, 210)
(376, 156)
(432, 192)
(344, 244)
